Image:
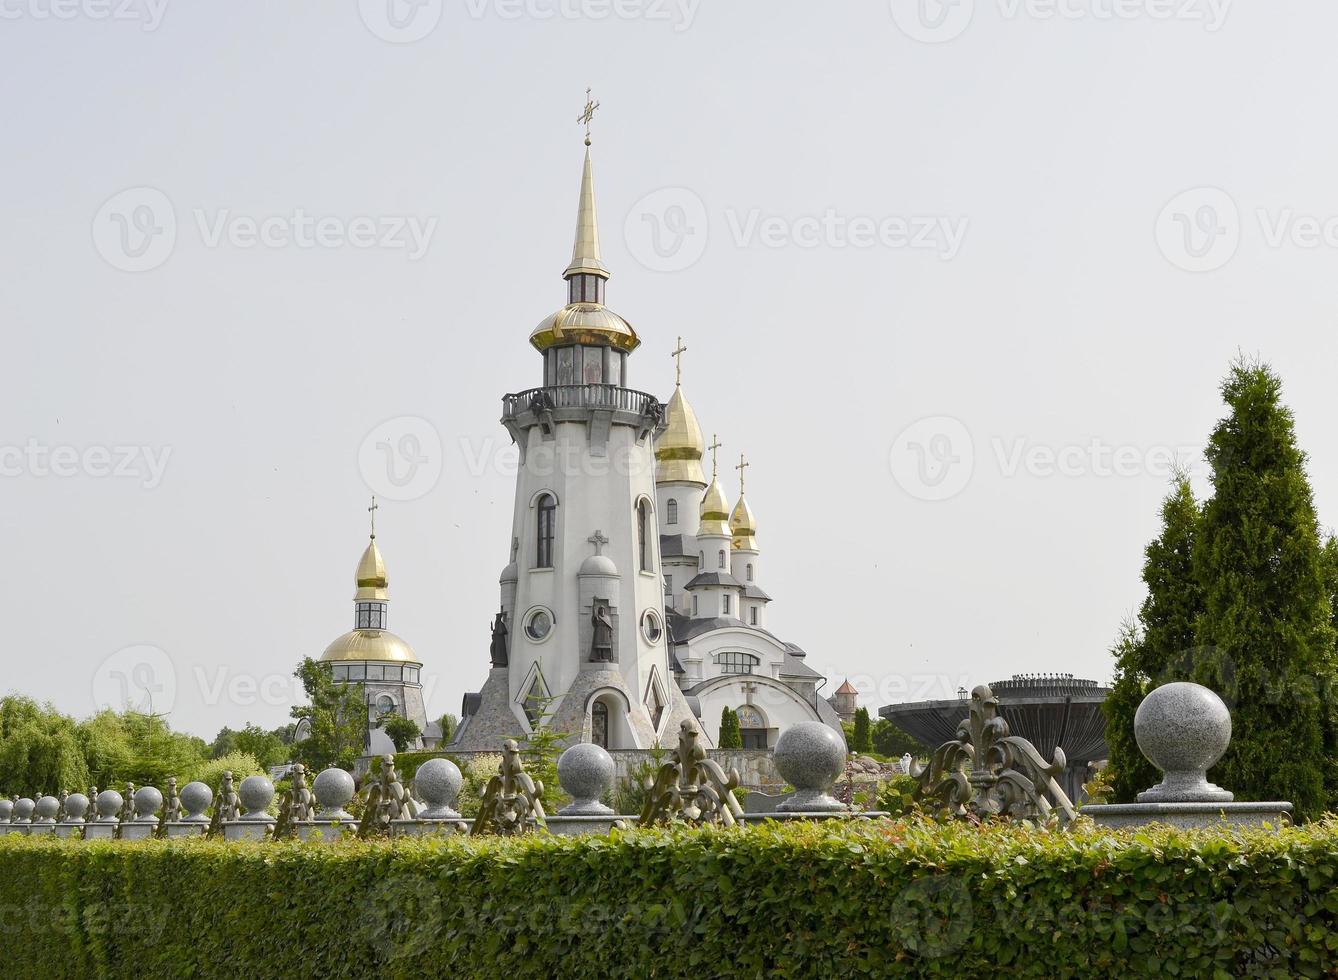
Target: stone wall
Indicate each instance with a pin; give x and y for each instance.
(756, 767)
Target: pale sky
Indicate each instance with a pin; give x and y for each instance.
(959, 278)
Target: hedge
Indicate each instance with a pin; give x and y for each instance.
(881, 899)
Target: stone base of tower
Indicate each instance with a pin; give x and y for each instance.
(494, 721)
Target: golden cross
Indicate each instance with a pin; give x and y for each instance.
(678, 363)
(588, 115)
(372, 510)
(743, 465)
(715, 444)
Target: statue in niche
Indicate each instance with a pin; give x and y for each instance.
(500, 657)
(601, 649)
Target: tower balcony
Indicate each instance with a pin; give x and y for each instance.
(600, 405)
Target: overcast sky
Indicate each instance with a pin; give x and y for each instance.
(960, 279)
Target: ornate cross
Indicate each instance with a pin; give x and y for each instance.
(677, 355)
(715, 444)
(588, 115)
(372, 510)
(743, 465)
(599, 541)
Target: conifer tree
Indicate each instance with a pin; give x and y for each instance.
(731, 737)
(1267, 619)
(862, 738)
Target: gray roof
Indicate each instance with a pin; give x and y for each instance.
(826, 712)
(683, 628)
(678, 546)
(753, 592)
(794, 667)
(715, 578)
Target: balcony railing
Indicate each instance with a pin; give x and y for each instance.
(557, 397)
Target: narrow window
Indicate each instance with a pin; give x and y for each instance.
(547, 531)
(694, 605)
(669, 588)
(752, 615)
(672, 511)
(721, 559)
(643, 542)
(599, 724)
(728, 597)
(750, 571)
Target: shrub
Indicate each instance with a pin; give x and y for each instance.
(896, 796)
(888, 898)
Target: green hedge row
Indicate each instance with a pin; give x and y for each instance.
(881, 899)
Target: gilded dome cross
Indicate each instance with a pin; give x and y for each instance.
(677, 355)
(588, 115)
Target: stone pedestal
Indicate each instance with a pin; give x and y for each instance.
(326, 831)
(428, 828)
(248, 830)
(100, 831)
(134, 830)
(184, 829)
(41, 829)
(69, 831)
(1189, 816)
(574, 826)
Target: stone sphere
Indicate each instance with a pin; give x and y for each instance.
(76, 807)
(585, 771)
(810, 756)
(438, 783)
(6, 809)
(195, 798)
(333, 788)
(109, 804)
(256, 794)
(1182, 727)
(46, 809)
(23, 809)
(148, 801)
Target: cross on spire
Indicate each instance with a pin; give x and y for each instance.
(372, 510)
(743, 465)
(599, 541)
(588, 115)
(677, 355)
(715, 444)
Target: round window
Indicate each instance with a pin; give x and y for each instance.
(539, 625)
(650, 625)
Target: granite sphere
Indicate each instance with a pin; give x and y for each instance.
(586, 773)
(45, 810)
(438, 783)
(6, 809)
(333, 788)
(76, 808)
(810, 756)
(148, 801)
(195, 799)
(109, 805)
(1182, 727)
(256, 794)
(23, 810)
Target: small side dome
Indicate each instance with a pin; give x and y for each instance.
(371, 574)
(591, 324)
(714, 512)
(679, 450)
(509, 574)
(743, 525)
(599, 565)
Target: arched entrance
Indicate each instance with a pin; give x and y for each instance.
(752, 726)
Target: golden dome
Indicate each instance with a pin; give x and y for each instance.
(715, 511)
(743, 525)
(585, 323)
(678, 451)
(371, 574)
(370, 645)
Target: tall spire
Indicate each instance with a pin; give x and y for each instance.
(585, 255)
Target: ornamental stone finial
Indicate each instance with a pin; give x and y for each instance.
(438, 782)
(811, 757)
(585, 772)
(1183, 729)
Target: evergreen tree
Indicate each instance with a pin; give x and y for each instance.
(1159, 648)
(731, 736)
(892, 742)
(1267, 617)
(861, 740)
(338, 717)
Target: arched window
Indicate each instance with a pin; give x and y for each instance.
(547, 531)
(671, 509)
(750, 571)
(721, 559)
(643, 534)
(733, 662)
(752, 726)
(599, 724)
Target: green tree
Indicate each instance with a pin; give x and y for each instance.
(1160, 646)
(862, 739)
(731, 736)
(337, 714)
(39, 750)
(267, 748)
(449, 723)
(1267, 617)
(893, 742)
(403, 732)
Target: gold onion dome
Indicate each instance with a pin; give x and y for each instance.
(586, 322)
(715, 511)
(743, 525)
(679, 450)
(370, 644)
(371, 575)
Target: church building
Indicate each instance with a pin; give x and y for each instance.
(631, 602)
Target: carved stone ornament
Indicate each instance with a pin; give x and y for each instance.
(513, 800)
(387, 801)
(691, 788)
